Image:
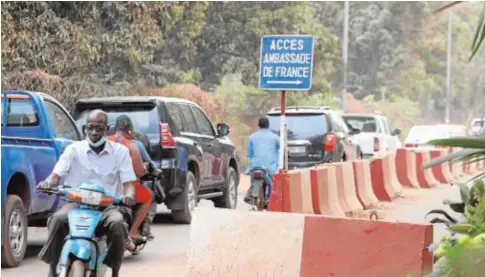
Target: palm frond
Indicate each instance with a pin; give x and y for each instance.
(447, 6)
(465, 142)
(451, 157)
(479, 36)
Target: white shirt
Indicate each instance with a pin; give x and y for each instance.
(111, 167)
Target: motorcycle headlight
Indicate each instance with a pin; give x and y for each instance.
(91, 197)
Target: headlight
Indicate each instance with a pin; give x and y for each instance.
(91, 197)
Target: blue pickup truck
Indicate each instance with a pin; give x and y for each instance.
(35, 130)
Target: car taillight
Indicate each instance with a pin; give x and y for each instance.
(330, 142)
(166, 138)
(376, 145)
(257, 175)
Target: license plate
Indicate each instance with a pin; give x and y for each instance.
(297, 149)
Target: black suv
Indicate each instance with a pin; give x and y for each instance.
(197, 160)
(316, 135)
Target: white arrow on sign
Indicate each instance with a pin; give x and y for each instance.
(296, 82)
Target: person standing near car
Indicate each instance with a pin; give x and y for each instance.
(263, 151)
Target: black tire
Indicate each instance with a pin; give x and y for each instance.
(16, 216)
(230, 190)
(185, 215)
(76, 269)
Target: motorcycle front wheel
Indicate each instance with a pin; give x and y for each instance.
(77, 269)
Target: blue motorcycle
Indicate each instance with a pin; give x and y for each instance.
(83, 252)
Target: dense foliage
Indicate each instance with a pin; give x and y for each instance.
(397, 53)
(463, 256)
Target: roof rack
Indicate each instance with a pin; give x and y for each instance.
(324, 108)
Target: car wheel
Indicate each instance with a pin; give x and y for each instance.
(190, 200)
(229, 198)
(14, 232)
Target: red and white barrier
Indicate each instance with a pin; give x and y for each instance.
(324, 191)
(241, 244)
(339, 188)
(363, 183)
(425, 176)
(383, 175)
(406, 168)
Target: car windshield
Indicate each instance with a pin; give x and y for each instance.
(362, 123)
(144, 118)
(301, 125)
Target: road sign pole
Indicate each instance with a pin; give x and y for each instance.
(283, 149)
(285, 64)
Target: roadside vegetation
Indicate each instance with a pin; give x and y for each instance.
(209, 52)
(462, 253)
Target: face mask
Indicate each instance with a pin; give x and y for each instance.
(97, 144)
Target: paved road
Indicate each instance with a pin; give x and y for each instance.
(171, 241)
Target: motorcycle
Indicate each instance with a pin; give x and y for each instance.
(83, 251)
(259, 188)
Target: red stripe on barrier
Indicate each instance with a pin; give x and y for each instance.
(349, 248)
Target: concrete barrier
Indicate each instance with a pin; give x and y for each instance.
(441, 172)
(240, 244)
(324, 191)
(425, 176)
(292, 192)
(346, 187)
(406, 168)
(279, 201)
(300, 191)
(476, 166)
(363, 183)
(384, 181)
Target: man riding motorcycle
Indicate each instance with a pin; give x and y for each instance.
(93, 159)
(263, 151)
(143, 195)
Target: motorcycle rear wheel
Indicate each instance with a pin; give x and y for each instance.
(76, 269)
(257, 203)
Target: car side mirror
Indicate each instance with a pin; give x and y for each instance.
(396, 132)
(222, 129)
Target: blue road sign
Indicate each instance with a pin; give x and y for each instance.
(286, 62)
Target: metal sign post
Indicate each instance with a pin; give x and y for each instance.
(283, 150)
(286, 63)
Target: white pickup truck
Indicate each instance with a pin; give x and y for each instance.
(375, 134)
